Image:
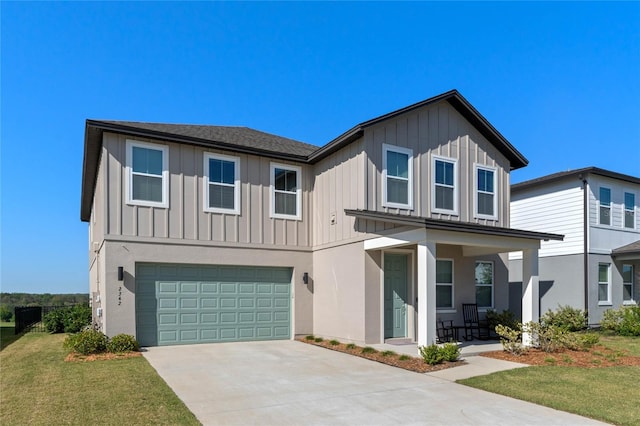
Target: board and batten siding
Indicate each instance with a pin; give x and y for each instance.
(185, 218)
(556, 208)
(436, 130)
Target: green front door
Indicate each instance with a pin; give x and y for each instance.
(183, 304)
(395, 295)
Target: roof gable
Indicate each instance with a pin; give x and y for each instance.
(577, 173)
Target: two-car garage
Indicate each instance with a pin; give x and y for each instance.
(186, 304)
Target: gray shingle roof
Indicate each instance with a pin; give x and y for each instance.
(628, 249)
(216, 136)
(577, 172)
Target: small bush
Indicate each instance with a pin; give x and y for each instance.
(310, 337)
(334, 342)
(388, 353)
(431, 354)
(122, 343)
(450, 351)
(54, 321)
(351, 346)
(565, 318)
(5, 313)
(506, 318)
(404, 357)
(86, 342)
(368, 350)
(68, 320)
(624, 321)
(511, 338)
(318, 339)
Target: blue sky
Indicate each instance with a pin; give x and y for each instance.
(560, 80)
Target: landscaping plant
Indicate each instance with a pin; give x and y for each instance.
(511, 338)
(505, 318)
(624, 321)
(121, 343)
(565, 318)
(87, 342)
(436, 354)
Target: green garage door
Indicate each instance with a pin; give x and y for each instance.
(184, 304)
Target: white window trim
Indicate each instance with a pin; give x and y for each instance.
(298, 170)
(632, 283)
(492, 285)
(130, 144)
(452, 309)
(494, 170)
(624, 209)
(435, 158)
(599, 201)
(236, 183)
(608, 283)
(406, 151)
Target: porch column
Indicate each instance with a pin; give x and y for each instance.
(530, 290)
(426, 261)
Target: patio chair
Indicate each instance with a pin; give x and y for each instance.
(445, 331)
(473, 323)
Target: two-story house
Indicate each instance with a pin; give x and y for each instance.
(597, 265)
(210, 233)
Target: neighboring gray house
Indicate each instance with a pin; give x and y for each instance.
(211, 234)
(597, 265)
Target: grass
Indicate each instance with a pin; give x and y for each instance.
(6, 334)
(607, 394)
(38, 387)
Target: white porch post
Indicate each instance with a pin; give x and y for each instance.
(426, 261)
(530, 290)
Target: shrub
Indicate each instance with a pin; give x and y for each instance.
(86, 342)
(76, 318)
(54, 321)
(431, 354)
(310, 337)
(450, 351)
(565, 318)
(511, 338)
(368, 350)
(388, 353)
(334, 342)
(624, 321)
(506, 318)
(123, 343)
(351, 346)
(318, 339)
(5, 313)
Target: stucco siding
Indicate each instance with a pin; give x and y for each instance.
(185, 217)
(436, 130)
(119, 296)
(555, 209)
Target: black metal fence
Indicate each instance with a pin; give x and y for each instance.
(29, 318)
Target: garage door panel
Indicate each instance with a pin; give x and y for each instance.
(181, 304)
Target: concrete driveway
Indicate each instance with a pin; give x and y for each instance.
(291, 383)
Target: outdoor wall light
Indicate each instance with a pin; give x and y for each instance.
(305, 278)
(120, 273)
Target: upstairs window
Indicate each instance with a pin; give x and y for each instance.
(444, 284)
(485, 192)
(484, 284)
(629, 210)
(397, 173)
(222, 184)
(605, 206)
(285, 192)
(445, 193)
(627, 283)
(604, 287)
(147, 174)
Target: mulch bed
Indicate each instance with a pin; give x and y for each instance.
(596, 357)
(412, 363)
(75, 357)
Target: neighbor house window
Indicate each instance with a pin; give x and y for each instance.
(222, 183)
(629, 210)
(444, 194)
(397, 177)
(604, 287)
(605, 206)
(285, 191)
(627, 283)
(484, 284)
(147, 174)
(485, 192)
(444, 284)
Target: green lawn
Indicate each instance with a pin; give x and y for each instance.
(7, 335)
(607, 394)
(38, 387)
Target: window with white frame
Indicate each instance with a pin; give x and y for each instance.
(485, 192)
(627, 283)
(444, 194)
(604, 281)
(147, 174)
(629, 210)
(605, 206)
(444, 284)
(285, 191)
(222, 183)
(397, 177)
(484, 284)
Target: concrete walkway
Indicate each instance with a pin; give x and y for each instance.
(289, 383)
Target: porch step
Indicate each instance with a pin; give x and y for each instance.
(399, 341)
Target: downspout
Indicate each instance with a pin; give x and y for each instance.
(585, 240)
